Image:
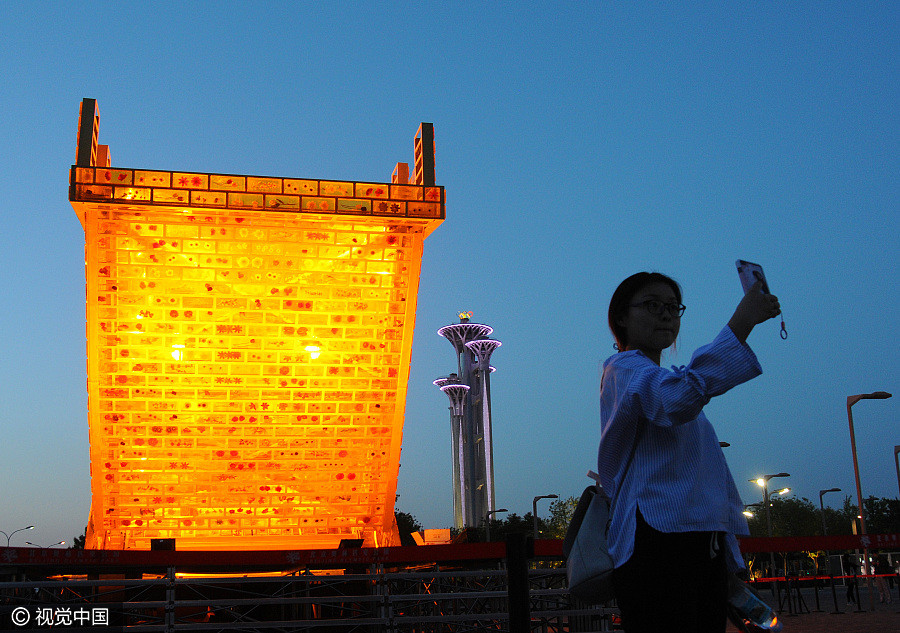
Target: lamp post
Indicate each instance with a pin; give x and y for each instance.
(45, 547)
(534, 510)
(763, 482)
(824, 530)
(9, 536)
(897, 463)
(822, 506)
(782, 491)
(487, 523)
(851, 400)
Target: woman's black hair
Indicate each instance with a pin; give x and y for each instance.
(622, 297)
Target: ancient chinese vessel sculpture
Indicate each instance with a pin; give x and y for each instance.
(249, 343)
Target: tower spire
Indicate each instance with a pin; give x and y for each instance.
(469, 393)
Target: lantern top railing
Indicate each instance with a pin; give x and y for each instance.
(198, 190)
(94, 180)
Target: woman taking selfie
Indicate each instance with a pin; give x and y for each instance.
(676, 509)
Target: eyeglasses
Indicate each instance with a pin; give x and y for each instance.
(656, 308)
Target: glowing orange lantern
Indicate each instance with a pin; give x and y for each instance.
(249, 343)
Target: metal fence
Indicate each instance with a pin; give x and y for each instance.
(428, 589)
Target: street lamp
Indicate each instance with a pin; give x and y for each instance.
(763, 482)
(487, 523)
(9, 536)
(534, 510)
(822, 506)
(824, 530)
(748, 512)
(45, 547)
(897, 462)
(851, 400)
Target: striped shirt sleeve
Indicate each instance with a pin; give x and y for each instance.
(678, 477)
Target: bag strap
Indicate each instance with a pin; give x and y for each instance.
(637, 437)
(578, 515)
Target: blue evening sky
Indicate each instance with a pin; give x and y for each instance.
(578, 142)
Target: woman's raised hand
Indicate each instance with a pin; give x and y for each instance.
(755, 307)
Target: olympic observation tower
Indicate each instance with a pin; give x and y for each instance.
(469, 390)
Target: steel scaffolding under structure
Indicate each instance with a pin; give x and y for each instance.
(470, 594)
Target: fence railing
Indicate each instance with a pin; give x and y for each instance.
(514, 586)
(470, 587)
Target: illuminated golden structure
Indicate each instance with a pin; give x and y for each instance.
(248, 346)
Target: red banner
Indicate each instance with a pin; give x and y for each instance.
(87, 561)
(815, 543)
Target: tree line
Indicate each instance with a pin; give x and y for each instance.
(789, 516)
(802, 517)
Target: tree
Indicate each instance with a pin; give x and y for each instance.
(795, 517)
(840, 521)
(78, 541)
(882, 515)
(406, 524)
(801, 517)
(561, 512)
(511, 524)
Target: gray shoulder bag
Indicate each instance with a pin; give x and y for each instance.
(589, 566)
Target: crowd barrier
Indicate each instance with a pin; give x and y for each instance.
(786, 590)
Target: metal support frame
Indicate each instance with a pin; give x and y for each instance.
(390, 601)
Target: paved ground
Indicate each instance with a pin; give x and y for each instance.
(885, 618)
(869, 622)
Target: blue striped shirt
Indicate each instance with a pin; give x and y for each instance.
(678, 476)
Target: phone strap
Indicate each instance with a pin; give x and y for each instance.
(783, 333)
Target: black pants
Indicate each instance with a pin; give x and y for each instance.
(851, 589)
(671, 583)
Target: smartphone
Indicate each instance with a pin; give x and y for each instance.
(749, 274)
